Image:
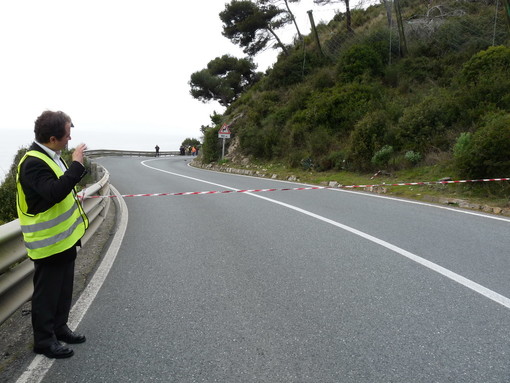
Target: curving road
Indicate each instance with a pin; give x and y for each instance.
(293, 286)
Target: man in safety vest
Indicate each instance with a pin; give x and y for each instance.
(52, 221)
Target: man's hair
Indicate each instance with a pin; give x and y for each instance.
(49, 124)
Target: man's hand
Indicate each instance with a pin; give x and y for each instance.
(78, 153)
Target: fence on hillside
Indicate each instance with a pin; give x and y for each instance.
(447, 24)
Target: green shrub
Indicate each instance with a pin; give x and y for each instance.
(319, 140)
(264, 103)
(292, 69)
(485, 153)
(420, 69)
(398, 162)
(383, 156)
(357, 61)
(424, 125)
(212, 146)
(484, 84)
(8, 199)
(413, 157)
(323, 79)
(338, 159)
(307, 164)
(340, 107)
(367, 136)
(297, 97)
(489, 63)
(8, 190)
(462, 146)
(295, 157)
(261, 137)
(298, 137)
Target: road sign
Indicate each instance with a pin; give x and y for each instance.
(224, 131)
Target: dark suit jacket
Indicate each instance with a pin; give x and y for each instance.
(43, 189)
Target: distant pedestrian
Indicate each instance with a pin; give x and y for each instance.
(157, 150)
(193, 151)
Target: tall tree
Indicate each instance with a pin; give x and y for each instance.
(252, 26)
(224, 79)
(347, 10)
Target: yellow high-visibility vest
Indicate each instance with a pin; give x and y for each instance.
(56, 229)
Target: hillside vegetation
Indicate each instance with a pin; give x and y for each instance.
(360, 103)
(428, 102)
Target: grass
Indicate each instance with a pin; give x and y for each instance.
(495, 194)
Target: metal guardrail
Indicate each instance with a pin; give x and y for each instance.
(128, 153)
(16, 270)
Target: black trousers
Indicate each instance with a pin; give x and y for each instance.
(51, 300)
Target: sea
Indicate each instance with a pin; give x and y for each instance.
(11, 140)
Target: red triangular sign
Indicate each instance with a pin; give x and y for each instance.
(224, 129)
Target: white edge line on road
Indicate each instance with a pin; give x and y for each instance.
(492, 295)
(365, 194)
(456, 210)
(36, 371)
(502, 300)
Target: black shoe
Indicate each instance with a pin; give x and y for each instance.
(70, 337)
(56, 350)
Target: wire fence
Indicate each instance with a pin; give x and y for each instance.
(449, 26)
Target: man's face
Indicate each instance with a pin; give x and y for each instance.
(59, 144)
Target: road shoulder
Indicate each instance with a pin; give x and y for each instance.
(16, 332)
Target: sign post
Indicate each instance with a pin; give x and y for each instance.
(224, 133)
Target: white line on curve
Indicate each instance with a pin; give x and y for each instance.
(371, 195)
(492, 295)
(40, 365)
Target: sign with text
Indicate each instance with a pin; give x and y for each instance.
(224, 131)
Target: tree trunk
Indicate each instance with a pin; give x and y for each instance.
(387, 5)
(348, 17)
(278, 39)
(293, 20)
(398, 13)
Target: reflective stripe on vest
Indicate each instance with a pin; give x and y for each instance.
(48, 224)
(56, 229)
(55, 239)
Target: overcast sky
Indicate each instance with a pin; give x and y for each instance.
(119, 68)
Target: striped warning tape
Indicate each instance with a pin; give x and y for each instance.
(430, 182)
(300, 188)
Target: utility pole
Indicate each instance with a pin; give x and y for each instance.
(312, 22)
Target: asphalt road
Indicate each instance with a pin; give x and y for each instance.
(293, 286)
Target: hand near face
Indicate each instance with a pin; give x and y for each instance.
(78, 153)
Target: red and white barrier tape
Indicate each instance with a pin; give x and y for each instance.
(301, 188)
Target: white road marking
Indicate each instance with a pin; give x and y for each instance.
(369, 195)
(492, 295)
(40, 365)
(458, 210)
